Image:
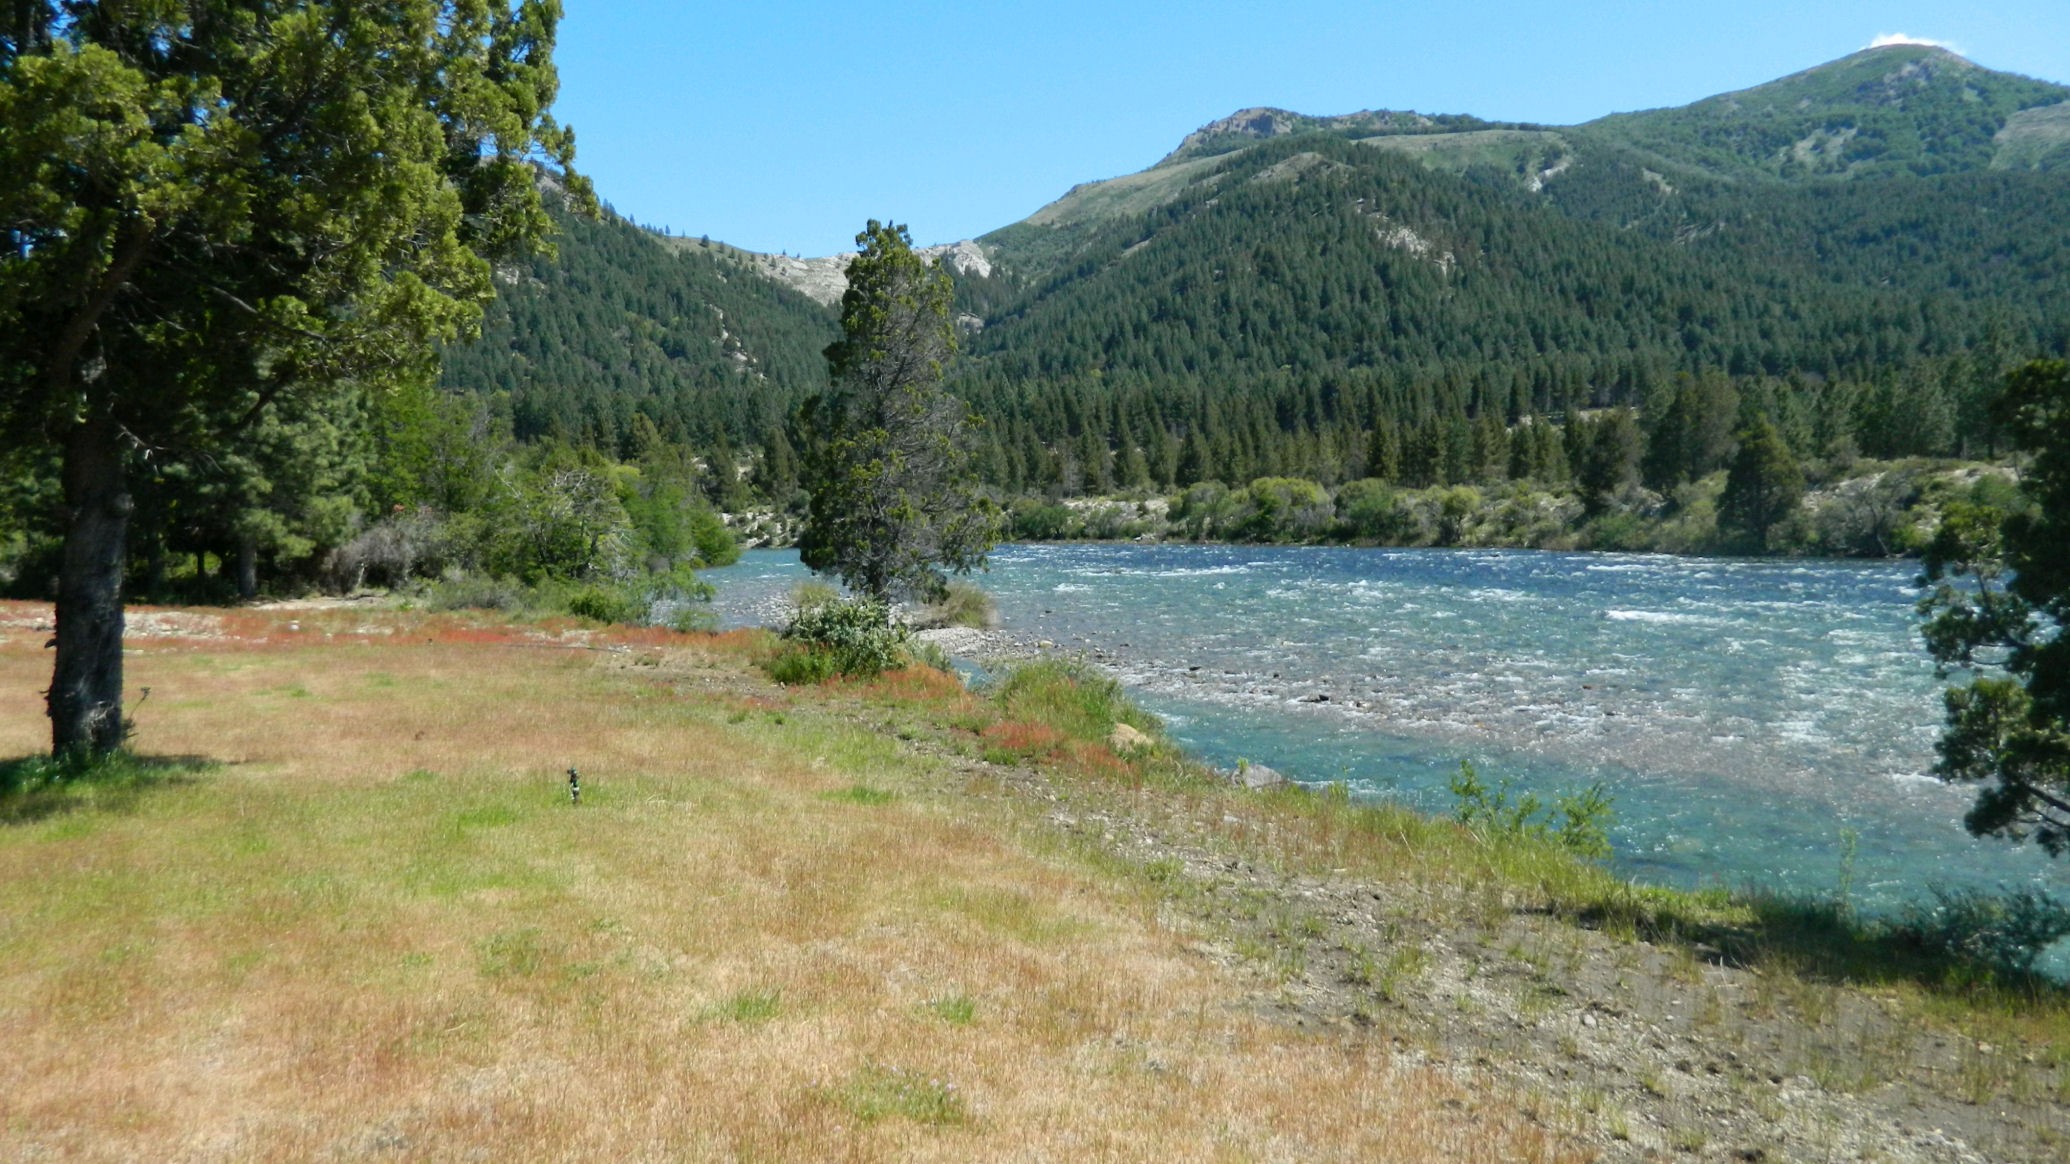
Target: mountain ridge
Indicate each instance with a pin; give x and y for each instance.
(1278, 273)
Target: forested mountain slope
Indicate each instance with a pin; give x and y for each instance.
(1865, 245)
(621, 324)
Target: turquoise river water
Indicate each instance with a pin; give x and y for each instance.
(1748, 717)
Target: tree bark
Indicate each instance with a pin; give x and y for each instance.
(86, 690)
(247, 566)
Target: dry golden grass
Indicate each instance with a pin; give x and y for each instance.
(379, 929)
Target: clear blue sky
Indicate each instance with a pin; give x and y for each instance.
(781, 125)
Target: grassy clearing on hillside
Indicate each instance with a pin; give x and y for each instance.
(374, 924)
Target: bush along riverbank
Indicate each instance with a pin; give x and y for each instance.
(1877, 510)
(887, 916)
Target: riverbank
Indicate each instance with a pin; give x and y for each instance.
(887, 920)
(1872, 509)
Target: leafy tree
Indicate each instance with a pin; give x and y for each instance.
(888, 464)
(1998, 608)
(1763, 488)
(215, 205)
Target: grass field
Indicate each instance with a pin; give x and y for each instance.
(349, 912)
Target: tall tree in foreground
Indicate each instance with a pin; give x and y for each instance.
(1999, 608)
(887, 464)
(214, 206)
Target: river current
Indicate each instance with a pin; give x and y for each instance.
(1756, 722)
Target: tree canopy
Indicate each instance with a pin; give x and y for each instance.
(1998, 607)
(893, 494)
(218, 209)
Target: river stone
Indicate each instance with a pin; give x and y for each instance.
(1125, 739)
(1256, 776)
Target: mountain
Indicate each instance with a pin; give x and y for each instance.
(694, 335)
(1898, 109)
(1281, 283)
(1910, 109)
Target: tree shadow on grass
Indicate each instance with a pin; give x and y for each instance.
(1820, 940)
(35, 788)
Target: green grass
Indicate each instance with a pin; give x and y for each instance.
(35, 788)
(862, 794)
(1072, 699)
(877, 1093)
(749, 1006)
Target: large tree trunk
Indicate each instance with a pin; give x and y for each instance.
(247, 566)
(86, 691)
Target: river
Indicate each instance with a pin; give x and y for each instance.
(1756, 722)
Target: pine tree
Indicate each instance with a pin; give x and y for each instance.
(1763, 489)
(894, 498)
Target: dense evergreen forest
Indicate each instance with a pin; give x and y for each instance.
(618, 326)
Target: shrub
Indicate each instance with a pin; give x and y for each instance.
(1037, 521)
(407, 544)
(812, 593)
(930, 655)
(459, 591)
(1370, 511)
(2007, 933)
(1456, 507)
(609, 604)
(1286, 509)
(797, 665)
(857, 633)
(1617, 531)
(1576, 822)
(963, 605)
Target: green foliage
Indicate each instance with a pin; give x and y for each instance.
(1608, 449)
(476, 592)
(931, 655)
(1903, 109)
(855, 636)
(626, 326)
(1285, 509)
(1689, 434)
(798, 665)
(1071, 698)
(1041, 521)
(749, 1006)
(606, 604)
(862, 794)
(2006, 932)
(894, 497)
(1998, 603)
(1763, 489)
(812, 594)
(1369, 510)
(957, 1010)
(35, 787)
(219, 218)
(1577, 822)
